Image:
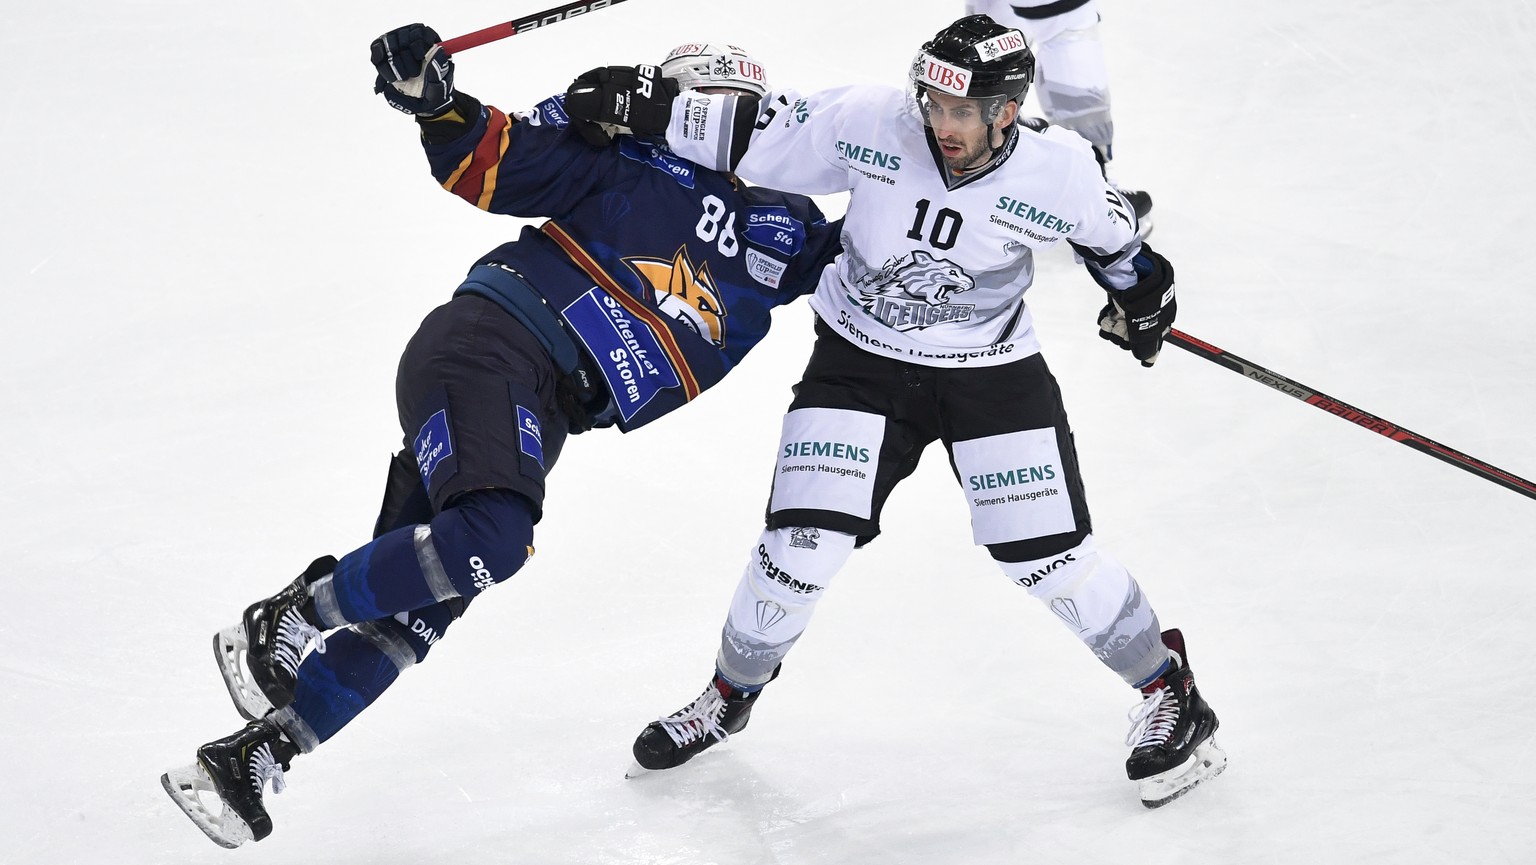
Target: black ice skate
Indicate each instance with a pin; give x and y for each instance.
(1141, 202)
(1141, 205)
(259, 657)
(1172, 738)
(234, 769)
(674, 740)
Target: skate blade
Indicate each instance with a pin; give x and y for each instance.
(1207, 762)
(636, 770)
(187, 787)
(229, 651)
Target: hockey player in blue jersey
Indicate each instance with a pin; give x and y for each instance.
(650, 280)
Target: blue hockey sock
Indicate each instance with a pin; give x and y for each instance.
(337, 685)
(357, 665)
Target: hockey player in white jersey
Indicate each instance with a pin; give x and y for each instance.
(923, 335)
(1071, 77)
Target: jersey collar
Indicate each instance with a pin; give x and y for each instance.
(955, 181)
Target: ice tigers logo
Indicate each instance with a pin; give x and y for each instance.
(804, 537)
(911, 293)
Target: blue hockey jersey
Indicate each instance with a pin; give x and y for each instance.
(663, 271)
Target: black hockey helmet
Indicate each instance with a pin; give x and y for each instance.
(975, 58)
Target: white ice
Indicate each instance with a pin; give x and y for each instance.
(215, 241)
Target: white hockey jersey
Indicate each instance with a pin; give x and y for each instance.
(931, 273)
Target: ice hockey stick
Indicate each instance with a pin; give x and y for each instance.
(1251, 370)
(549, 16)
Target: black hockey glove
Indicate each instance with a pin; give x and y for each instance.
(614, 99)
(415, 75)
(1138, 318)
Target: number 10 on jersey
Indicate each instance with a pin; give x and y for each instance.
(944, 230)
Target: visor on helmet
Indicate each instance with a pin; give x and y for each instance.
(933, 75)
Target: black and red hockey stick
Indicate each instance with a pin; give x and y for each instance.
(529, 22)
(1249, 369)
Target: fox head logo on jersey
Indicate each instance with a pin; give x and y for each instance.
(913, 292)
(685, 294)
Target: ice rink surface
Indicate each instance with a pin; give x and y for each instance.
(215, 241)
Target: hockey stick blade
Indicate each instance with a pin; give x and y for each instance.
(518, 25)
(1249, 369)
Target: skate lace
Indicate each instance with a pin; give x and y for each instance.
(264, 768)
(1153, 720)
(701, 718)
(294, 635)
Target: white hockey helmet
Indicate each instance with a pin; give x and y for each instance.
(695, 65)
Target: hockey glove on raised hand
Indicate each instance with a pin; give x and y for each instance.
(1138, 318)
(614, 99)
(415, 74)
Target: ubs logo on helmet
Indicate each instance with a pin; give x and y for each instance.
(723, 67)
(1008, 43)
(687, 49)
(930, 71)
(746, 70)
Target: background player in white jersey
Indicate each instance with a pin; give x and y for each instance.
(1071, 77)
(923, 335)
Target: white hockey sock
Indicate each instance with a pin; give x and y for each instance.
(1098, 600)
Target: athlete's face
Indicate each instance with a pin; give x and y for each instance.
(961, 129)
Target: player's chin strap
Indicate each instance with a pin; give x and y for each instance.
(953, 179)
(1010, 135)
(1010, 132)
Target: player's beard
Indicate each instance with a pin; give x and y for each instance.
(973, 153)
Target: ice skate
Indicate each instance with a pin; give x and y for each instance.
(1172, 737)
(1141, 205)
(234, 770)
(1140, 200)
(674, 740)
(259, 657)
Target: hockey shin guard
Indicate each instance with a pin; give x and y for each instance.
(775, 599)
(1099, 601)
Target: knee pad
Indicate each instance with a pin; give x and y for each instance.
(1098, 600)
(788, 570)
(794, 564)
(483, 538)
